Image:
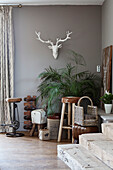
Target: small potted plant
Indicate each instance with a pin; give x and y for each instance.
(107, 100)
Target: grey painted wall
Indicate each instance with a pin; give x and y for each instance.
(31, 56)
(107, 23)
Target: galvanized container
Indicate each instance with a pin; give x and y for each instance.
(53, 126)
(44, 134)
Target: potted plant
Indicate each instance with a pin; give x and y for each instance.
(68, 81)
(107, 100)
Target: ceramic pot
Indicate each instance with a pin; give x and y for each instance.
(108, 108)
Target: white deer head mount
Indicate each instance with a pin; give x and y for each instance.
(54, 47)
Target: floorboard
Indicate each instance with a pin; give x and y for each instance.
(29, 153)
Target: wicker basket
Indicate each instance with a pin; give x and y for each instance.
(86, 117)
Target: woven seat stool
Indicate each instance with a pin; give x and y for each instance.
(69, 101)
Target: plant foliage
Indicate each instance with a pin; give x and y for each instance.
(58, 83)
(107, 98)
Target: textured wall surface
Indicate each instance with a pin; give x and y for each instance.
(107, 23)
(31, 56)
(107, 26)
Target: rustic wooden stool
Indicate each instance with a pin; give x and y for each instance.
(14, 120)
(38, 126)
(39, 119)
(69, 101)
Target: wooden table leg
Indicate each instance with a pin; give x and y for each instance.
(61, 122)
(73, 117)
(69, 118)
(32, 130)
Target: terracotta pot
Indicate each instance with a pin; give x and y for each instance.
(55, 116)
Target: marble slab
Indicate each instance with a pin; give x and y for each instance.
(107, 130)
(107, 117)
(78, 158)
(100, 146)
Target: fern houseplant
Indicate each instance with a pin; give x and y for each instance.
(68, 81)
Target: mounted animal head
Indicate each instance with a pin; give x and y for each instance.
(54, 47)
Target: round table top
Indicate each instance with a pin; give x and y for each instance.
(70, 99)
(13, 100)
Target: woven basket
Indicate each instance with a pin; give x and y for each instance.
(88, 116)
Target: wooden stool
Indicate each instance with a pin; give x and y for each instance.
(69, 101)
(38, 126)
(39, 120)
(14, 100)
(14, 121)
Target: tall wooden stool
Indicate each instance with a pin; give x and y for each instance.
(15, 123)
(69, 101)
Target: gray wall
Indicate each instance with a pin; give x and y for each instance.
(107, 23)
(31, 56)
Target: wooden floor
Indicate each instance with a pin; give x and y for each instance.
(29, 153)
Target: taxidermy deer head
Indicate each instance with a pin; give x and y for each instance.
(54, 47)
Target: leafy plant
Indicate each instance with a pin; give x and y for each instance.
(107, 98)
(68, 81)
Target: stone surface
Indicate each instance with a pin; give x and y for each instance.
(99, 145)
(84, 139)
(78, 158)
(107, 130)
(107, 118)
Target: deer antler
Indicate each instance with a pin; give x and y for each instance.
(54, 47)
(47, 42)
(65, 39)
